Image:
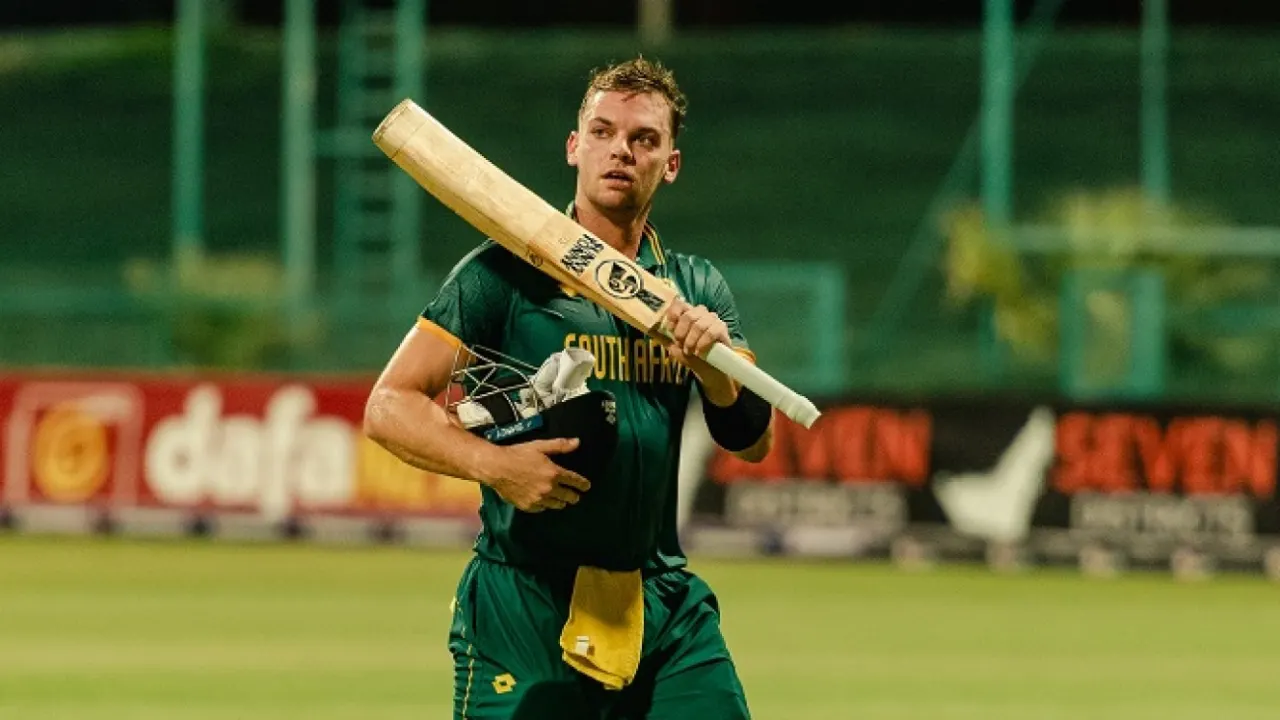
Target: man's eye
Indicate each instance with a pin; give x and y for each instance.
(600, 132)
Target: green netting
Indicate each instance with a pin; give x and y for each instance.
(823, 147)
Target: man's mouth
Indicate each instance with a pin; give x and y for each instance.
(618, 175)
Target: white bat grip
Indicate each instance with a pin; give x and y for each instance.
(792, 404)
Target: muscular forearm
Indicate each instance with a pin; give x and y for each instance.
(418, 431)
(717, 387)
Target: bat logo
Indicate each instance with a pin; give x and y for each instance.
(651, 301)
(579, 257)
(619, 279)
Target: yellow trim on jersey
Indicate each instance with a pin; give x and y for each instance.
(426, 325)
(649, 232)
(654, 242)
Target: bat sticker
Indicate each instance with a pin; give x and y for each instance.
(651, 301)
(584, 250)
(619, 279)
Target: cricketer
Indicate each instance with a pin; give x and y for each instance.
(578, 601)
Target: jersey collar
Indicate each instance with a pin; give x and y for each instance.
(651, 255)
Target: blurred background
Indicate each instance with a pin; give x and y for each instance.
(1056, 195)
(1025, 254)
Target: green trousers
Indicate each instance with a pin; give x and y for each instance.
(505, 641)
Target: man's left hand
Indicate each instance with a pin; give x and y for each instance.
(694, 330)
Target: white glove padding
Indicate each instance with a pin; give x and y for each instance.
(563, 376)
(472, 414)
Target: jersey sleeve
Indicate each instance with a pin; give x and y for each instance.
(714, 292)
(472, 303)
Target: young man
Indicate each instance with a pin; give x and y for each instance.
(577, 603)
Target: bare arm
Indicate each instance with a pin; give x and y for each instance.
(402, 417)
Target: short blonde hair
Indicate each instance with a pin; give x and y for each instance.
(639, 75)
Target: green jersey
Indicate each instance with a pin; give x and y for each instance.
(627, 520)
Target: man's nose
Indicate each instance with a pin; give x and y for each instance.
(621, 149)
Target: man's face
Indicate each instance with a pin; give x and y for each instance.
(623, 150)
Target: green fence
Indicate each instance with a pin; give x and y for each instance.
(823, 149)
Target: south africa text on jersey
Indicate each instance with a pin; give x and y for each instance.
(626, 359)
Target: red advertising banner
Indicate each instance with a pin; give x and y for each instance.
(275, 447)
(1057, 480)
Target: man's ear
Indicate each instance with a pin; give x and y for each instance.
(673, 167)
(571, 148)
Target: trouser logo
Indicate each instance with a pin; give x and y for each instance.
(504, 683)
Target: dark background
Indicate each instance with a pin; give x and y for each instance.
(688, 13)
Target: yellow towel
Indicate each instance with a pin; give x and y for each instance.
(605, 632)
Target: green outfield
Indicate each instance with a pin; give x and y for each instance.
(117, 629)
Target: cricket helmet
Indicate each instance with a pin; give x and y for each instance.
(507, 401)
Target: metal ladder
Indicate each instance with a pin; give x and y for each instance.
(377, 207)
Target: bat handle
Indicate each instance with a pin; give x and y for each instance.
(792, 404)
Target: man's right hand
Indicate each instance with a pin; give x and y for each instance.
(525, 476)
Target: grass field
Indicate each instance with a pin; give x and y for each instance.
(116, 629)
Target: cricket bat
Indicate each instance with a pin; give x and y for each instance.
(548, 239)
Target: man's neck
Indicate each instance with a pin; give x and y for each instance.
(622, 232)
